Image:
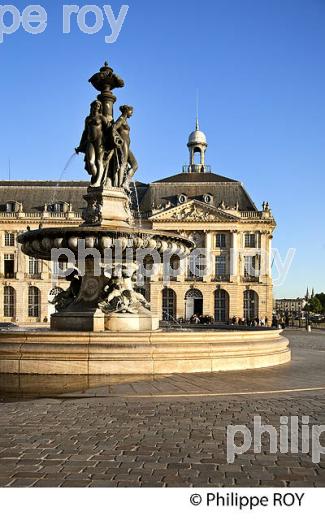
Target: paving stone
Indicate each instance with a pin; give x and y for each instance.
(76, 483)
(48, 483)
(23, 482)
(103, 483)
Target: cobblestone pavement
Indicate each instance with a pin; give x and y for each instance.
(125, 436)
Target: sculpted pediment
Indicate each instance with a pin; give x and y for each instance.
(193, 211)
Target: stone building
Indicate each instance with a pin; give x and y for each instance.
(230, 276)
(290, 305)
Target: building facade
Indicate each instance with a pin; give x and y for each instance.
(229, 275)
(290, 305)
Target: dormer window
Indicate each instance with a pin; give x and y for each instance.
(208, 198)
(182, 198)
(57, 207)
(11, 207)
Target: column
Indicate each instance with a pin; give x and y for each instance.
(265, 255)
(180, 301)
(156, 298)
(234, 256)
(208, 299)
(208, 247)
(22, 302)
(182, 273)
(19, 268)
(44, 290)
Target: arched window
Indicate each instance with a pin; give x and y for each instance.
(9, 302)
(198, 155)
(168, 304)
(193, 303)
(250, 305)
(221, 305)
(34, 302)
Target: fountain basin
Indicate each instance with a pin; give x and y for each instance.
(40, 243)
(95, 250)
(147, 352)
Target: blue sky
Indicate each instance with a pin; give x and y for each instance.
(259, 68)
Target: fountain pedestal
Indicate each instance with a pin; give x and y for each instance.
(107, 207)
(144, 320)
(78, 321)
(97, 321)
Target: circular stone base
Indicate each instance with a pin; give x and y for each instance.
(157, 352)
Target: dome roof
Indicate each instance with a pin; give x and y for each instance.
(197, 137)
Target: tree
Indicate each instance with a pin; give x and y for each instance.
(314, 305)
(321, 298)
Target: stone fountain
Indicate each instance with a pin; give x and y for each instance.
(103, 323)
(102, 295)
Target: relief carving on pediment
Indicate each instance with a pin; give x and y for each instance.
(193, 212)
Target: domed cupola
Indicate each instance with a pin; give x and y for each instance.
(197, 144)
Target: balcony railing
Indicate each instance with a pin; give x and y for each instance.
(221, 278)
(250, 278)
(196, 168)
(194, 278)
(5, 214)
(251, 214)
(34, 276)
(39, 214)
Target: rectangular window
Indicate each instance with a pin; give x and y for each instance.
(9, 302)
(34, 266)
(34, 302)
(59, 268)
(9, 239)
(197, 266)
(220, 265)
(250, 240)
(221, 240)
(251, 266)
(9, 266)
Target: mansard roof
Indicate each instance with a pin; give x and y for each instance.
(195, 177)
(34, 195)
(226, 192)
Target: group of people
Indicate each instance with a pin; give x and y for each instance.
(197, 318)
(256, 322)
(277, 321)
(249, 322)
(280, 321)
